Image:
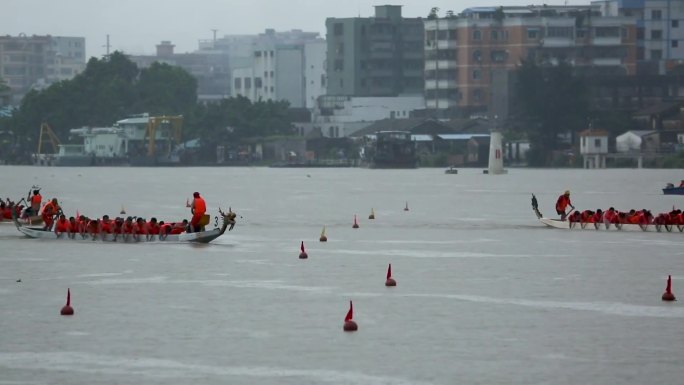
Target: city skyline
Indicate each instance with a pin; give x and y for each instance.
(136, 27)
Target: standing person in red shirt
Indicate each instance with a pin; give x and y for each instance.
(562, 203)
(35, 202)
(198, 208)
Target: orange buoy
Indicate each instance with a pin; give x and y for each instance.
(303, 254)
(356, 224)
(349, 324)
(406, 207)
(323, 238)
(372, 214)
(667, 295)
(390, 281)
(67, 309)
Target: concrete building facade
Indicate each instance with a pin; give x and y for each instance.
(464, 52)
(375, 56)
(28, 62)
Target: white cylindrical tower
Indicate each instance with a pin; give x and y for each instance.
(495, 154)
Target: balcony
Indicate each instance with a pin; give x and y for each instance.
(604, 41)
(441, 64)
(441, 84)
(607, 62)
(440, 103)
(557, 42)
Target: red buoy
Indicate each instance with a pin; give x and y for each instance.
(67, 309)
(356, 224)
(406, 207)
(349, 324)
(323, 238)
(667, 295)
(303, 254)
(390, 281)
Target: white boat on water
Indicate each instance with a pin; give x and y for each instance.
(139, 140)
(568, 225)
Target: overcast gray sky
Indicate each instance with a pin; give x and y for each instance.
(136, 26)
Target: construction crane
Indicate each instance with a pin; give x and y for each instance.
(45, 130)
(169, 128)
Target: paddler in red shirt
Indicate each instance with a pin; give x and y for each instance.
(62, 226)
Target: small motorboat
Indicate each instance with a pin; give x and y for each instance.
(670, 189)
(451, 170)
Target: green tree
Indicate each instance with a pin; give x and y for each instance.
(163, 90)
(433, 13)
(552, 100)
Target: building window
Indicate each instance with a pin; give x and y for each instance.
(257, 53)
(495, 34)
(499, 56)
(477, 95)
(257, 82)
(675, 43)
(533, 33)
(656, 34)
(656, 54)
(238, 83)
(266, 74)
(477, 56)
(477, 35)
(248, 83)
(597, 142)
(656, 14)
(271, 89)
(675, 23)
(339, 65)
(477, 74)
(338, 29)
(271, 53)
(271, 74)
(563, 32)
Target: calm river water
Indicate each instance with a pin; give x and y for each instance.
(485, 294)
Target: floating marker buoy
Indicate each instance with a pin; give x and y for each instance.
(406, 207)
(323, 238)
(667, 295)
(67, 309)
(356, 224)
(303, 254)
(123, 210)
(349, 324)
(372, 214)
(390, 281)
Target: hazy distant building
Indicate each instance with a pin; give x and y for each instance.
(660, 31)
(375, 56)
(211, 69)
(465, 52)
(283, 69)
(28, 62)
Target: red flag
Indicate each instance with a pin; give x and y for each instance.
(302, 247)
(389, 271)
(350, 313)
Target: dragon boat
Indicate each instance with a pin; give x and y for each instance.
(569, 225)
(206, 236)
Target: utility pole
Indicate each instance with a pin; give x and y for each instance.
(107, 46)
(214, 31)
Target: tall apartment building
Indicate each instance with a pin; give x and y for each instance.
(465, 52)
(660, 31)
(283, 69)
(28, 62)
(375, 56)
